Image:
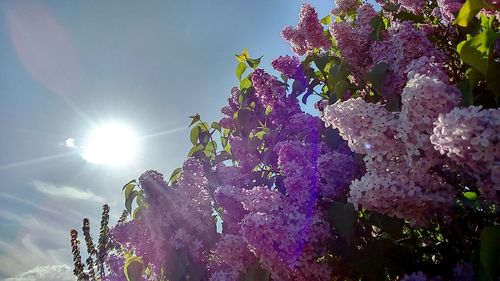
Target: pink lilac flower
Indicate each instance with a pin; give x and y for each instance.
(367, 127)
(423, 99)
(414, 6)
(179, 218)
(308, 34)
(344, 6)
(427, 66)
(353, 40)
(414, 195)
(336, 170)
(449, 8)
(233, 251)
(470, 137)
(224, 275)
(402, 44)
(290, 66)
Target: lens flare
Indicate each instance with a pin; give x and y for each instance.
(112, 143)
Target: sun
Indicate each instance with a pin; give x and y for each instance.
(110, 143)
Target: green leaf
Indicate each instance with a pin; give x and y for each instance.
(466, 90)
(194, 149)
(490, 252)
(240, 69)
(378, 25)
(341, 88)
(133, 269)
(321, 61)
(470, 195)
(245, 83)
(130, 182)
(475, 51)
(216, 126)
(136, 213)
(195, 118)
(468, 11)
(377, 76)
(245, 53)
(326, 20)
(175, 175)
(342, 216)
(211, 146)
(129, 200)
(193, 136)
(256, 272)
(128, 189)
(254, 63)
(492, 81)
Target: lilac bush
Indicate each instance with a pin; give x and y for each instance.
(397, 177)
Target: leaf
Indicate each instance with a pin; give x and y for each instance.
(240, 69)
(492, 81)
(130, 182)
(211, 146)
(341, 88)
(216, 126)
(245, 83)
(475, 50)
(254, 63)
(405, 16)
(468, 11)
(466, 90)
(195, 118)
(133, 269)
(490, 251)
(194, 149)
(136, 213)
(377, 76)
(245, 53)
(321, 61)
(129, 200)
(193, 136)
(256, 272)
(470, 195)
(326, 20)
(175, 175)
(128, 189)
(342, 216)
(378, 25)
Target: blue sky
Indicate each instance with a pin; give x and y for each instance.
(68, 65)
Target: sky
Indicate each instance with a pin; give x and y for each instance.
(67, 67)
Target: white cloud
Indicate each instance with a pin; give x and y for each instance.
(60, 272)
(66, 192)
(70, 142)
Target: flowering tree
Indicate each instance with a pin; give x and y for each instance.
(396, 178)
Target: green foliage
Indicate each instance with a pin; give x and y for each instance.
(476, 50)
(240, 70)
(342, 216)
(377, 77)
(469, 10)
(488, 266)
(133, 269)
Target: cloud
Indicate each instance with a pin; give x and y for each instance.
(60, 272)
(70, 142)
(66, 192)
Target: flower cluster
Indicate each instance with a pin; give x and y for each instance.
(308, 34)
(405, 189)
(470, 136)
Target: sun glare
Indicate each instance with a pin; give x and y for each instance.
(112, 143)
